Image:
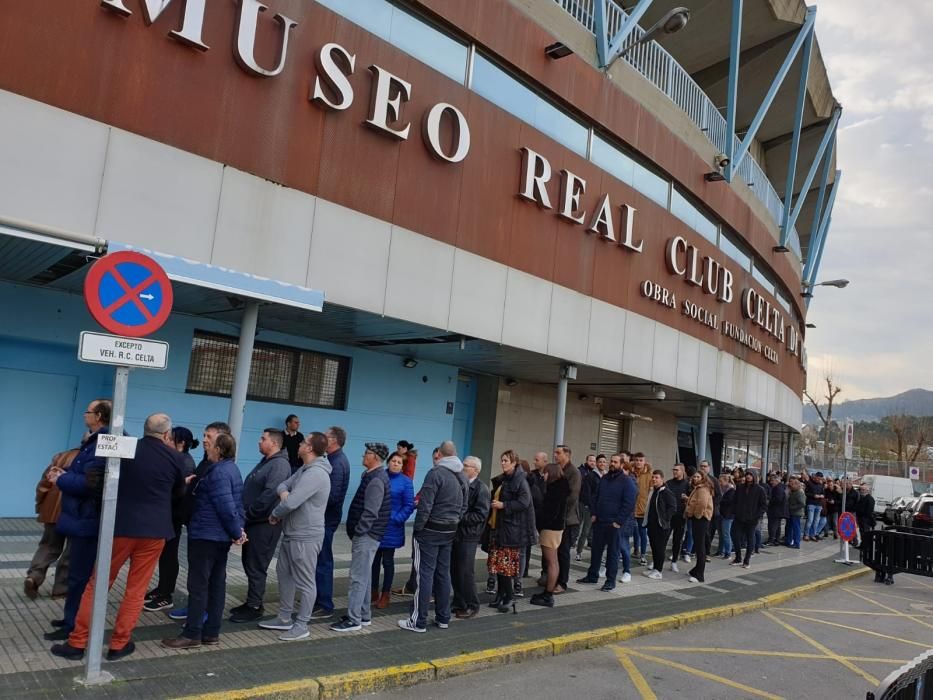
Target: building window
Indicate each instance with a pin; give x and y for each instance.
(693, 217)
(734, 250)
(762, 278)
(409, 33)
(278, 374)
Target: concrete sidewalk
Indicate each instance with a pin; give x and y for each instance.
(248, 657)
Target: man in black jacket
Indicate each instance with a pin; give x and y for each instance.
(259, 498)
(658, 513)
(750, 505)
(777, 499)
(680, 487)
(864, 512)
(462, 562)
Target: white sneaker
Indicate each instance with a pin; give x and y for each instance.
(298, 631)
(602, 572)
(655, 574)
(643, 561)
(686, 558)
(407, 625)
(674, 567)
(693, 579)
(626, 578)
(276, 623)
(578, 557)
(647, 573)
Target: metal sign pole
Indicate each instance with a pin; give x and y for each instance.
(93, 674)
(843, 543)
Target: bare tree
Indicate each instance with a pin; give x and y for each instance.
(907, 431)
(825, 411)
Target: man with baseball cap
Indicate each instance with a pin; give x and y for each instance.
(367, 520)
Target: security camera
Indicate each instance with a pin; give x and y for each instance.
(660, 395)
(721, 161)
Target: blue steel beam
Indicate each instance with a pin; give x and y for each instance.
(602, 32)
(795, 140)
(628, 26)
(828, 135)
(815, 253)
(802, 35)
(821, 195)
(735, 47)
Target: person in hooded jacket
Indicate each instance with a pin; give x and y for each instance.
(511, 512)
(750, 505)
(403, 505)
(216, 522)
(727, 514)
(300, 511)
(777, 505)
(442, 503)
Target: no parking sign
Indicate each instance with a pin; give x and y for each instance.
(847, 527)
(128, 293)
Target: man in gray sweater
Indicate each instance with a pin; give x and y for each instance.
(302, 502)
(442, 503)
(259, 498)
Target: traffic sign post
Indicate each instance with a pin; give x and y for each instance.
(130, 295)
(847, 528)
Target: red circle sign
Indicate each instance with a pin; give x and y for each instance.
(847, 527)
(128, 293)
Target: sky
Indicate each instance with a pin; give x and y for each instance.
(876, 336)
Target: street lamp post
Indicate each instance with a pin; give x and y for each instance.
(808, 286)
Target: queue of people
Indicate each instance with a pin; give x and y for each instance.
(290, 505)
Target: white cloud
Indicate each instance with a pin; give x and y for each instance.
(877, 334)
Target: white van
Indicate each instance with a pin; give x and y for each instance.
(886, 489)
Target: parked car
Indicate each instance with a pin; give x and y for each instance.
(887, 489)
(921, 513)
(898, 513)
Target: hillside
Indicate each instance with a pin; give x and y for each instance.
(915, 402)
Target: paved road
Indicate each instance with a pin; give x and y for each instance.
(839, 643)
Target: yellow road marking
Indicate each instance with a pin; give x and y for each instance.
(703, 674)
(885, 607)
(638, 680)
(893, 595)
(763, 652)
(859, 629)
(824, 611)
(826, 650)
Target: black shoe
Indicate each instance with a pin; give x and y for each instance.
(158, 603)
(57, 623)
(504, 605)
(517, 591)
(250, 614)
(587, 579)
(66, 651)
(543, 599)
(321, 614)
(117, 654)
(238, 608)
(608, 586)
(59, 635)
(495, 603)
(151, 594)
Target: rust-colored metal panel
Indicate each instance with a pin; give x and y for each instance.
(490, 181)
(428, 190)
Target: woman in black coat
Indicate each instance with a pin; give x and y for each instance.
(510, 515)
(550, 520)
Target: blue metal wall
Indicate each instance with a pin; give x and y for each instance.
(44, 390)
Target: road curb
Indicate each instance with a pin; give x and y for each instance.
(388, 677)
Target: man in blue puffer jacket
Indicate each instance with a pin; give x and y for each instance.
(81, 488)
(217, 521)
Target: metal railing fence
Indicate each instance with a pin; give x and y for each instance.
(659, 67)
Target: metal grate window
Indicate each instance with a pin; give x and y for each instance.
(278, 374)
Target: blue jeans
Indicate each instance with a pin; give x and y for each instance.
(625, 550)
(432, 555)
(821, 525)
(605, 537)
(813, 516)
(758, 536)
(207, 586)
(641, 539)
(726, 536)
(324, 572)
(688, 542)
(793, 532)
(81, 566)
